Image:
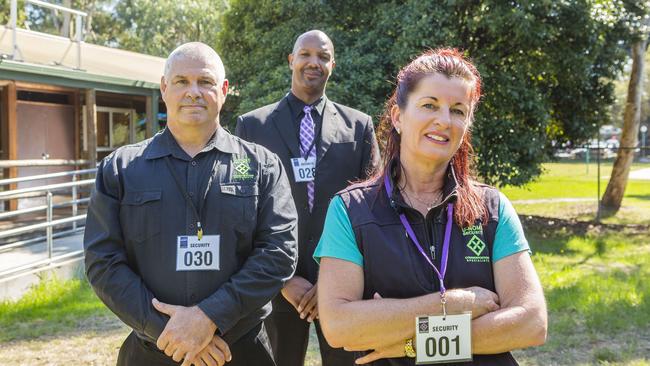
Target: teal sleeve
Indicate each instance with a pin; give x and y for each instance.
(337, 240)
(509, 238)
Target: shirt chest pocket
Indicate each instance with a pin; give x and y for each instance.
(238, 211)
(239, 202)
(140, 215)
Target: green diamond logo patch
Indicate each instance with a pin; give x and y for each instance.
(241, 169)
(476, 245)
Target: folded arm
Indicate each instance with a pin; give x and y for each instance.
(522, 320)
(356, 324)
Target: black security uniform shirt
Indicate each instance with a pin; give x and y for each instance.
(137, 212)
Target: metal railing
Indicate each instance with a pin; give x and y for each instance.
(78, 38)
(50, 222)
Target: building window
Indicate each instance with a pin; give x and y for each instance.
(115, 128)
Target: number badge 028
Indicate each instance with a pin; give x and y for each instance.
(304, 169)
(443, 338)
(193, 254)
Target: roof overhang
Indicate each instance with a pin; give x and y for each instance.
(48, 59)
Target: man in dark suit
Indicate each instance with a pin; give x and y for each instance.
(326, 146)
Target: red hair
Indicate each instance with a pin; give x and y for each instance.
(452, 64)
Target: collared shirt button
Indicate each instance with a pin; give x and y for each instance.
(191, 194)
(192, 297)
(193, 163)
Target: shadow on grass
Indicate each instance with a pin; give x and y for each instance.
(551, 235)
(644, 197)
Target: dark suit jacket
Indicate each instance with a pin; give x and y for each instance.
(347, 151)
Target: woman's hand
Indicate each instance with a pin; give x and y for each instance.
(391, 351)
(475, 299)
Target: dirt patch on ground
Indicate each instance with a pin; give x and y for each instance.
(552, 225)
(95, 341)
(627, 349)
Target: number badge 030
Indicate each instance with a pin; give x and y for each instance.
(443, 338)
(304, 169)
(193, 254)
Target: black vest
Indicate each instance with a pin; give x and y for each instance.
(394, 268)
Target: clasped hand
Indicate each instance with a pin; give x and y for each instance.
(190, 336)
(303, 296)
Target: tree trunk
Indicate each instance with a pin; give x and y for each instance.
(613, 196)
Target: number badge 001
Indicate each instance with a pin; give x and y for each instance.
(443, 338)
(193, 254)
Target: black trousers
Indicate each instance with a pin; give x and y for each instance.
(289, 337)
(253, 349)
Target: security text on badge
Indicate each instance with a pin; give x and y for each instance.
(443, 339)
(193, 254)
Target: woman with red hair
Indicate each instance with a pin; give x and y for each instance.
(423, 263)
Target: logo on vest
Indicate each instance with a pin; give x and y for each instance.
(241, 169)
(477, 246)
(473, 230)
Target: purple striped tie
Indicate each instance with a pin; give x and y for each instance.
(307, 148)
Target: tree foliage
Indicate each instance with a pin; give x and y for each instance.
(545, 64)
(154, 27)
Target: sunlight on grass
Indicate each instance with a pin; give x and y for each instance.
(575, 180)
(48, 307)
(598, 296)
(571, 180)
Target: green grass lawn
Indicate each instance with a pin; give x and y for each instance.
(52, 307)
(595, 281)
(579, 180)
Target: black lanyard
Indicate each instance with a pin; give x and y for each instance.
(197, 213)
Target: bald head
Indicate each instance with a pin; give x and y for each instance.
(314, 35)
(196, 51)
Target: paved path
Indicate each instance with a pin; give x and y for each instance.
(641, 174)
(38, 251)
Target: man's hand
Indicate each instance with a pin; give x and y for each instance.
(308, 306)
(187, 332)
(216, 353)
(295, 289)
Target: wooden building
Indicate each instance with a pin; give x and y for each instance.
(69, 100)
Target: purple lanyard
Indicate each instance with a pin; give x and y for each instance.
(411, 234)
